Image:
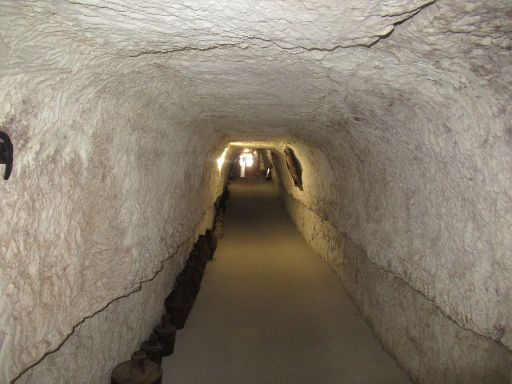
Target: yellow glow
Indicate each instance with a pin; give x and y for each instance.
(247, 150)
(221, 158)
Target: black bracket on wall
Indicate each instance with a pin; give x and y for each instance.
(6, 153)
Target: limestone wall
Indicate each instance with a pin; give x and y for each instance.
(103, 191)
(426, 342)
(399, 111)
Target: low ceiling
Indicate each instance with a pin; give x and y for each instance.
(275, 67)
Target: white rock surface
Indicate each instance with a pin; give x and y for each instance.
(399, 111)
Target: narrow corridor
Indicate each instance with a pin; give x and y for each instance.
(270, 311)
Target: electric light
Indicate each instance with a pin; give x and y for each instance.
(249, 160)
(221, 158)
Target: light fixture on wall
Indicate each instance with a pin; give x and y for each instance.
(220, 160)
(6, 153)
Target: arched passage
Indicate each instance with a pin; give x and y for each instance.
(398, 111)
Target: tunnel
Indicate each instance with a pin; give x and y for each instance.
(387, 128)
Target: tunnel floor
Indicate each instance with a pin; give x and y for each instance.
(271, 311)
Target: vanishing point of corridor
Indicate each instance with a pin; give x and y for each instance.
(271, 311)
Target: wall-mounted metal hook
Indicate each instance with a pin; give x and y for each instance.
(6, 153)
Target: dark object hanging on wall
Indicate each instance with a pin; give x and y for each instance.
(294, 167)
(6, 153)
(153, 349)
(166, 334)
(138, 370)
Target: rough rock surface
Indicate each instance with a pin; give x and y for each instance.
(399, 110)
(424, 340)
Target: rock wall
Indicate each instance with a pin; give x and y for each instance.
(399, 111)
(426, 342)
(109, 336)
(103, 191)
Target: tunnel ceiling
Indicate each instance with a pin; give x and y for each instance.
(264, 65)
